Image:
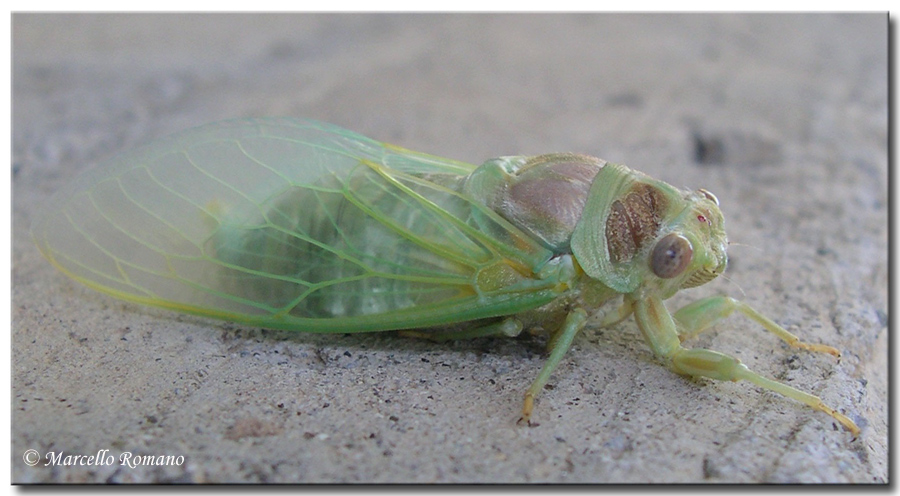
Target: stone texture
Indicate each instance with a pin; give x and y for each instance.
(783, 117)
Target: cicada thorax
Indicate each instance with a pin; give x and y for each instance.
(544, 195)
(607, 215)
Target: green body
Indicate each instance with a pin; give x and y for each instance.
(295, 224)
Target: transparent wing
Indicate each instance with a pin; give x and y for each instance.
(289, 223)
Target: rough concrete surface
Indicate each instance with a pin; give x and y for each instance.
(784, 117)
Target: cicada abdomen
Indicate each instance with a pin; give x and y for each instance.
(354, 242)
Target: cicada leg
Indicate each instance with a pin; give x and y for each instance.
(698, 316)
(660, 330)
(562, 340)
(621, 313)
(509, 327)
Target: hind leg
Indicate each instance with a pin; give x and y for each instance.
(509, 327)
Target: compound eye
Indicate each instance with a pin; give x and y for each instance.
(671, 255)
(709, 196)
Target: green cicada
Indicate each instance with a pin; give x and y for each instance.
(295, 224)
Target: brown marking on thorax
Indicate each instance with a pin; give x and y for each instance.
(548, 197)
(633, 221)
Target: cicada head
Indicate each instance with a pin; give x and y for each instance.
(641, 234)
(691, 249)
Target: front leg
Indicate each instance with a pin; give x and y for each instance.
(661, 332)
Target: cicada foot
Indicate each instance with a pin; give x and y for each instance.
(527, 408)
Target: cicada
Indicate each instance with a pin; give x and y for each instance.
(295, 224)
